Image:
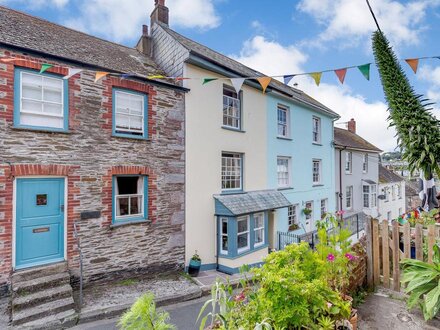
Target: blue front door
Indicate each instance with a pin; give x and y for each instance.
(39, 221)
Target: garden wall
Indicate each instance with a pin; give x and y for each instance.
(359, 272)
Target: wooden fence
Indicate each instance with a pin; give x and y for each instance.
(389, 243)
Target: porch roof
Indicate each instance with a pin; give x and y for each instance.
(249, 202)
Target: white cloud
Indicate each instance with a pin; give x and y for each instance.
(38, 4)
(370, 116)
(431, 75)
(350, 21)
(122, 20)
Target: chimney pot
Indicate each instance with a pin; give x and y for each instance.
(145, 30)
(351, 126)
(160, 12)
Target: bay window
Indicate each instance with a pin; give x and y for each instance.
(258, 229)
(243, 234)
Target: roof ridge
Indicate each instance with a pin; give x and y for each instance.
(65, 27)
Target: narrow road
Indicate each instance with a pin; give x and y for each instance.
(183, 315)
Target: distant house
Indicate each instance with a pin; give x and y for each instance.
(392, 189)
(106, 156)
(412, 198)
(357, 174)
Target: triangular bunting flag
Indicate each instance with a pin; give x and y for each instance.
(413, 63)
(99, 75)
(72, 72)
(158, 76)
(237, 83)
(365, 70)
(264, 82)
(207, 80)
(341, 74)
(288, 78)
(316, 76)
(45, 66)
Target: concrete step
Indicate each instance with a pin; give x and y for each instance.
(40, 297)
(62, 320)
(43, 310)
(39, 283)
(34, 272)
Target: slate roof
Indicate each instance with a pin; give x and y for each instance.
(412, 188)
(253, 201)
(387, 176)
(242, 70)
(25, 31)
(345, 138)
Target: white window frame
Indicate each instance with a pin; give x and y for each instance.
(259, 229)
(228, 172)
(228, 110)
(292, 215)
(386, 193)
(371, 195)
(349, 197)
(348, 162)
(222, 234)
(365, 163)
(399, 191)
(393, 192)
(42, 102)
(316, 129)
(129, 130)
(247, 232)
(129, 196)
(285, 125)
(288, 184)
(319, 174)
(309, 216)
(324, 206)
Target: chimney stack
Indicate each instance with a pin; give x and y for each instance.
(145, 43)
(160, 13)
(351, 126)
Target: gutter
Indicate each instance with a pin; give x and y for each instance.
(88, 66)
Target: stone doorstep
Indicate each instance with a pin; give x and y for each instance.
(40, 283)
(90, 315)
(66, 319)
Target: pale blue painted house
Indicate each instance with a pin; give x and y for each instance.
(301, 164)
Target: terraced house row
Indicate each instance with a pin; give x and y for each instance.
(144, 173)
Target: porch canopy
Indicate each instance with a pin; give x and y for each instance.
(249, 202)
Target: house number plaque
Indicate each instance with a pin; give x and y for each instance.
(40, 230)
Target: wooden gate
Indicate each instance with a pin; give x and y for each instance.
(389, 243)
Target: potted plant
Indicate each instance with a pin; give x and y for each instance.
(293, 227)
(307, 211)
(194, 265)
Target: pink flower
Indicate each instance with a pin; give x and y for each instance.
(340, 213)
(329, 305)
(330, 257)
(350, 256)
(240, 297)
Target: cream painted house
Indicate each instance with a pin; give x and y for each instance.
(229, 205)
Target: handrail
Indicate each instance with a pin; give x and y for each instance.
(75, 233)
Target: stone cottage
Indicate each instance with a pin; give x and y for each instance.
(103, 155)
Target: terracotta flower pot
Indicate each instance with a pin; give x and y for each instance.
(354, 320)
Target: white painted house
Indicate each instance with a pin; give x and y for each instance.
(392, 188)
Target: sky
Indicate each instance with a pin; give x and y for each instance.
(279, 37)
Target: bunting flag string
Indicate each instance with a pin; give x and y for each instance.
(237, 82)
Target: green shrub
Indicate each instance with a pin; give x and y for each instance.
(143, 315)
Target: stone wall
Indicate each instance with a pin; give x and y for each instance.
(88, 156)
(359, 272)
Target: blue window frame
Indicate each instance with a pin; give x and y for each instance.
(238, 236)
(129, 198)
(130, 114)
(41, 101)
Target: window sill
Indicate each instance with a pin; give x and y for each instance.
(128, 222)
(284, 188)
(318, 185)
(284, 138)
(348, 173)
(233, 129)
(41, 130)
(317, 144)
(130, 137)
(232, 192)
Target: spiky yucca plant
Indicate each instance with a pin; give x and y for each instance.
(418, 131)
